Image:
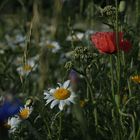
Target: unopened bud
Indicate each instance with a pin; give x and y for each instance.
(122, 6)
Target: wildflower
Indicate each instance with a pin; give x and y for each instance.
(61, 96)
(136, 78)
(51, 45)
(13, 123)
(27, 68)
(14, 120)
(9, 108)
(25, 112)
(15, 39)
(54, 46)
(83, 55)
(108, 11)
(73, 76)
(105, 42)
(68, 65)
(75, 37)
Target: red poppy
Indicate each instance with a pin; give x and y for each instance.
(105, 42)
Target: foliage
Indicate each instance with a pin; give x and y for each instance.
(47, 42)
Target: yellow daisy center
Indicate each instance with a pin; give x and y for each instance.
(61, 94)
(24, 113)
(50, 46)
(27, 67)
(136, 78)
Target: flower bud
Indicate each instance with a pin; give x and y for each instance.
(122, 6)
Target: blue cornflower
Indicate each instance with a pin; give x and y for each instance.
(9, 109)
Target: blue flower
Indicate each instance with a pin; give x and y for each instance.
(73, 76)
(9, 109)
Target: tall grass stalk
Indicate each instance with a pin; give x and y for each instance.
(118, 52)
(137, 4)
(25, 55)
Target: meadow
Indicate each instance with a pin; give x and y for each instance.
(70, 70)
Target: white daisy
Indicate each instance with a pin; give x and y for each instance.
(16, 39)
(25, 112)
(61, 96)
(76, 37)
(54, 46)
(13, 123)
(27, 68)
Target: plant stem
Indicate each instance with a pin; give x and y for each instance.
(118, 116)
(118, 52)
(92, 99)
(133, 123)
(90, 87)
(60, 126)
(48, 129)
(112, 77)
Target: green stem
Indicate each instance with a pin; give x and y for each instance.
(90, 87)
(133, 123)
(81, 6)
(118, 52)
(112, 77)
(92, 97)
(129, 88)
(25, 56)
(95, 116)
(60, 126)
(137, 4)
(91, 94)
(87, 81)
(48, 129)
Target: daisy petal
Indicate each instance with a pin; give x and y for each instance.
(66, 84)
(46, 97)
(61, 105)
(54, 103)
(59, 85)
(73, 95)
(46, 93)
(49, 100)
(71, 99)
(52, 90)
(67, 102)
